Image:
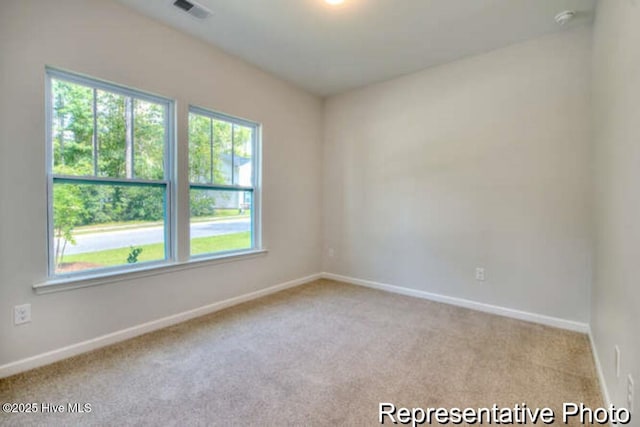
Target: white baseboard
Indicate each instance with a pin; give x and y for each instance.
(603, 384)
(104, 340)
(112, 338)
(474, 305)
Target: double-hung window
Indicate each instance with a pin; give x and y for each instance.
(109, 158)
(222, 183)
(113, 182)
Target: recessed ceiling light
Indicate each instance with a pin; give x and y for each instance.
(334, 2)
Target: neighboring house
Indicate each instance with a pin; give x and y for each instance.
(242, 173)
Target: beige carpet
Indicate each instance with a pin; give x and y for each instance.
(320, 354)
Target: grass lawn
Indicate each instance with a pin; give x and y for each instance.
(222, 213)
(226, 212)
(155, 252)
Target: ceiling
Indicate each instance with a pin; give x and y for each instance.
(330, 49)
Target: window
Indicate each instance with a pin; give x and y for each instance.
(113, 186)
(109, 175)
(222, 182)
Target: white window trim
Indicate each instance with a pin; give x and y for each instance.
(256, 161)
(167, 182)
(60, 284)
(174, 222)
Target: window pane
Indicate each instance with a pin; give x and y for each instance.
(220, 152)
(112, 131)
(222, 137)
(149, 140)
(200, 149)
(242, 149)
(97, 226)
(220, 221)
(72, 128)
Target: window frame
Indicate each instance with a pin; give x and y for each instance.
(168, 181)
(254, 189)
(177, 209)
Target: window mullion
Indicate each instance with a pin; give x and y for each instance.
(233, 153)
(256, 236)
(169, 175)
(181, 203)
(95, 131)
(133, 135)
(128, 149)
(220, 187)
(211, 150)
(62, 179)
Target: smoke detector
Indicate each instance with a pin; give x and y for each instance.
(192, 8)
(563, 17)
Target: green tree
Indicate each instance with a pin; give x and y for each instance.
(148, 140)
(72, 128)
(212, 146)
(67, 214)
(129, 142)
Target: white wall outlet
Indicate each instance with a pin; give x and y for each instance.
(480, 274)
(22, 314)
(331, 252)
(616, 350)
(630, 393)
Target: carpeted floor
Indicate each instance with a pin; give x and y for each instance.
(321, 354)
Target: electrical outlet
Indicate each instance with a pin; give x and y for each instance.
(331, 252)
(480, 274)
(616, 349)
(22, 314)
(630, 393)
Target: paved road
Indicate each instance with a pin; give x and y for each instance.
(145, 236)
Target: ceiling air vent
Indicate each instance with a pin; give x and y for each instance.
(192, 8)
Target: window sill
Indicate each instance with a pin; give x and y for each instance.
(84, 281)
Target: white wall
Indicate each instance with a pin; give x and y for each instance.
(616, 100)
(108, 41)
(481, 162)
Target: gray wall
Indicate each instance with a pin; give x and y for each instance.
(480, 162)
(109, 41)
(616, 101)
